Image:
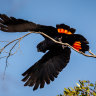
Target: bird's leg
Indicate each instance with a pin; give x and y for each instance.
(63, 46)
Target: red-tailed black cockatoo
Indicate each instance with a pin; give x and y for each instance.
(56, 57)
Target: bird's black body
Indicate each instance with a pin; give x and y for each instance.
(57, 57)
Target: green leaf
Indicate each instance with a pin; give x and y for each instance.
(66, 90)
(94, 94)
(78, 85)
(82, 89)
(91, 84)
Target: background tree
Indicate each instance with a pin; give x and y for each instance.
(83, 88)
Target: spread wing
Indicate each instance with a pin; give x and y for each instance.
(47, 68)
(11, 24)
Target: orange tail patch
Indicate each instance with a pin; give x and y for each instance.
(61, 30)
(77, 45)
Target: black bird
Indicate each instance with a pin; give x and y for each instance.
(57, 57)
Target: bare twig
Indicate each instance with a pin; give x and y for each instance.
(4, 41)
(3, 57)
(91, 52)
(13, 41)
(10, 52)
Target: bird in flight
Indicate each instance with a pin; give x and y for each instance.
(56, 56)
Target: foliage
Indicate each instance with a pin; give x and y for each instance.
(83, 88)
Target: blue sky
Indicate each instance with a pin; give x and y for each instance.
(79, 14)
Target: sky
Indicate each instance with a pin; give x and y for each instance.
(79, 14)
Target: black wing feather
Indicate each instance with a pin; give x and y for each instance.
(11, 24)
(47, 68)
